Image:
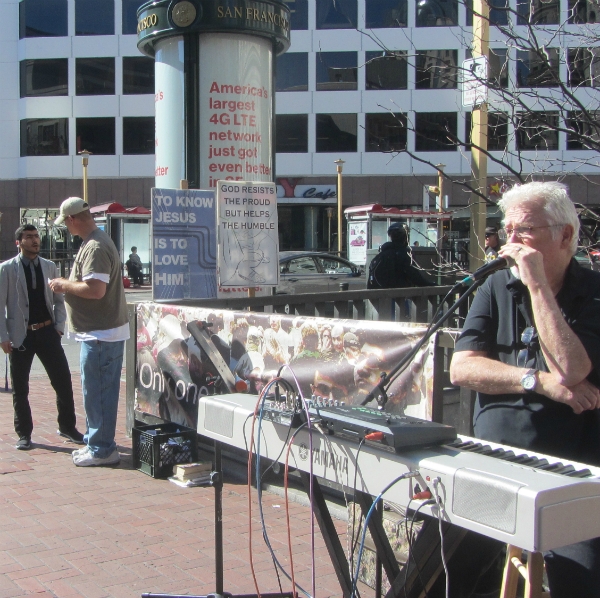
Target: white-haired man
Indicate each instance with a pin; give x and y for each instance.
(530, 347)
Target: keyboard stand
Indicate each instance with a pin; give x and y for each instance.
(533, 572)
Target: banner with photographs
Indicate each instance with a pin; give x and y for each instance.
(333, 359)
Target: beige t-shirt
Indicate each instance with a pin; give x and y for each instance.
(97, 255)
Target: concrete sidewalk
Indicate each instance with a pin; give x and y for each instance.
(95, 532)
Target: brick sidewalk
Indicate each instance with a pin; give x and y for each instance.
(69, 531)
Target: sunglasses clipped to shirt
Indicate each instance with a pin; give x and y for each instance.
(530, 339)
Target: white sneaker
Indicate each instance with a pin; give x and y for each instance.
(80, 451)
(87, 459)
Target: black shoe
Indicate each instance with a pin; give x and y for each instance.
(24, 443)
(73, 435)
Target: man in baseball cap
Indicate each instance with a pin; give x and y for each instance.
(71, 207)
(97, 315)
(492, 243)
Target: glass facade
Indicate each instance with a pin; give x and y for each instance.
(138, 135)
(337, 71)
(336, 132)
(43, 18)
(44, 77)
(292, 72)
(96, 135)
(385, 132)
(138, 75)
(386, 70)
(94, 17)
(291, 132)
(94, 76)
(45, 137)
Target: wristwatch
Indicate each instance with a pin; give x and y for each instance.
(529, 380)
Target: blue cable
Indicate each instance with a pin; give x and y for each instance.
(364, 532)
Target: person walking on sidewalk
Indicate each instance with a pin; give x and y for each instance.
(97, 313)
(32, 321)
(134, 267)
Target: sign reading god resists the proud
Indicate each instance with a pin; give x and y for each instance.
(247, 234)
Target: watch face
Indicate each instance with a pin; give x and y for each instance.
(528, 382)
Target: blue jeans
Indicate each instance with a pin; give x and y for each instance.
(101, 364)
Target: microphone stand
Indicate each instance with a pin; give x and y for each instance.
(379, 392)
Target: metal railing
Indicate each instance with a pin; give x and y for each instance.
(413, 304)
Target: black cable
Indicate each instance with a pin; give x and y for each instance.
(352, 539)
(409, 536)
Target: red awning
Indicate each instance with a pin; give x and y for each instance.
(108, 208)
(138, 210)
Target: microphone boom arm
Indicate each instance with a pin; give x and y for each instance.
(379, 392)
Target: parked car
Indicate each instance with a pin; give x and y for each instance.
(313, 272)
(588, 258)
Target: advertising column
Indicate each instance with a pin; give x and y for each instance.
(235, 108)
(169, 97)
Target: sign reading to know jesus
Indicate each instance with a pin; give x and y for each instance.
(247, 234)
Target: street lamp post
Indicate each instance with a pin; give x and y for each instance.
(340, 166)
(84, 161)
(329, 211)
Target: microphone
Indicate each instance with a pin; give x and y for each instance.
(485, 270)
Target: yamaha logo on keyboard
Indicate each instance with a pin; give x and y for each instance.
(324, 458)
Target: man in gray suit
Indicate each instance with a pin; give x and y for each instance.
(32, 321)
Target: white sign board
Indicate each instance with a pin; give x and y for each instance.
(475, 81)
(247, 237)
(236, 108)
(169, 105)
(357, 242)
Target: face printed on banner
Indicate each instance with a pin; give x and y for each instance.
(367, 371)
(325, 387)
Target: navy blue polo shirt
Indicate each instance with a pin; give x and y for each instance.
(494, 324)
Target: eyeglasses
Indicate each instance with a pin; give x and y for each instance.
(529, 339)
(524, 232)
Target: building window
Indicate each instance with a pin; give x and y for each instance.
(583, 131)
(336, 132)
(435, 131)
(291, 133)
(497, 137)
(436, 69)
(385, 132)
(299, 14)
(138, 135)
(538, 12)
(499, 11)
(44, 77)
(96, 135)
(584, 67)
(584, 11)
(386, 13)
(336, 14)
(385, 70)
(537, 131)
(94, 17)
(538, 68)
(43, 18)
(437, 13)
(94, 76)
(45, 137)
(130, 8)
(336, 71)
(138, 75)
(292, 72)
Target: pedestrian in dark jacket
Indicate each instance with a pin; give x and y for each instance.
(392, 267)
